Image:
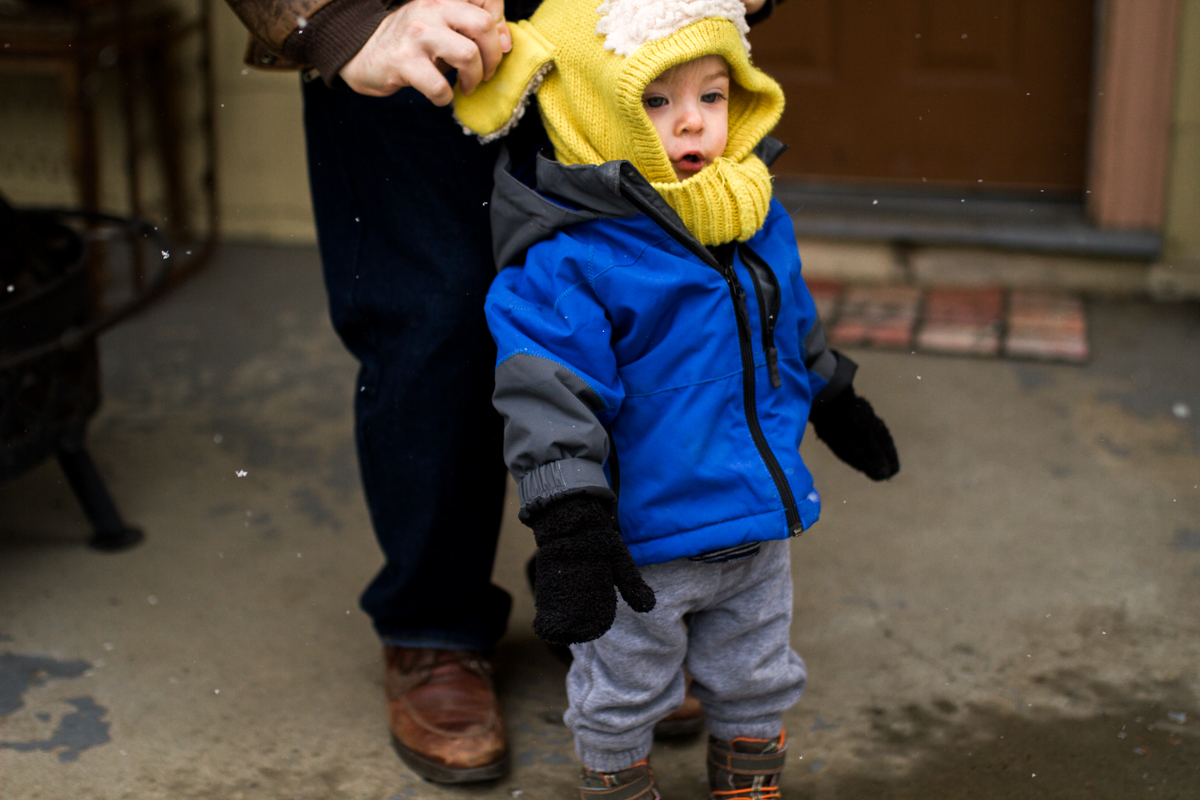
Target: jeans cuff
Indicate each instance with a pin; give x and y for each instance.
(438, 643)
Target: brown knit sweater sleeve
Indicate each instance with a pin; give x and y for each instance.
(332, 35)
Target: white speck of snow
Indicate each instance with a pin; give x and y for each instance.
(12, 287)
(216, 691)
(152, 600)
(241, 473)
(1181, 410)
(301, 22)
(1178, 717)
(108, 645)
(166, 254)
(874, 202)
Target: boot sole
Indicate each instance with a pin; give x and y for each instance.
(437, 772)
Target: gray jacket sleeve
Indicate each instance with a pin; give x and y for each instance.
(553, 443)
(836, 369)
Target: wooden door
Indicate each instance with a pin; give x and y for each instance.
(950, 92)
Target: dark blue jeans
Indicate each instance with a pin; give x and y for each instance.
(400, 196)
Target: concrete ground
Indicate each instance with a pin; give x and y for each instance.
(1015, 615)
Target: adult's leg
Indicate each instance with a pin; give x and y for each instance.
(400, 197)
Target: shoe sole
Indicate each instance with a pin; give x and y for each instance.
(440, 773)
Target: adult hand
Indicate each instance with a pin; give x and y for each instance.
(417, 42)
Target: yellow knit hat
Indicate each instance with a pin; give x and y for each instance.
(589, 64)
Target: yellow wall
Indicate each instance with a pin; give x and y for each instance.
(263, 178)
(1182, 228)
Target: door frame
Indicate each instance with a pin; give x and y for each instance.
(1132, 103)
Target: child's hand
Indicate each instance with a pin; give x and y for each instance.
(580, 559)
(848, 424)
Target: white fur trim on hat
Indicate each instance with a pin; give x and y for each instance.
(629, 24)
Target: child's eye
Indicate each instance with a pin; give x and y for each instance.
(655, 102)
(712, 97)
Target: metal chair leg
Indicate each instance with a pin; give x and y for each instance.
(110, 531)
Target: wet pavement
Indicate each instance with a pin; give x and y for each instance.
(1015, 615)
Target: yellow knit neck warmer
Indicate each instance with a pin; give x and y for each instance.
(590, 100)
(726, 200)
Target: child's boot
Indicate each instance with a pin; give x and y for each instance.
(746, 769)
(635, 783)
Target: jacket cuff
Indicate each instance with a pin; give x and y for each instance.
(334, 34)
(843, 376)
(560, 479)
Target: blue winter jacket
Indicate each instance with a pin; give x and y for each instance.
(636, 364)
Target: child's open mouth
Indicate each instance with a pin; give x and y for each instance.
(690, 162)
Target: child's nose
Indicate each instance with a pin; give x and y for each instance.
(690, 121)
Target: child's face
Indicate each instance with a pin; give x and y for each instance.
(689, 106)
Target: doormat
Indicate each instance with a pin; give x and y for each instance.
(988, 322)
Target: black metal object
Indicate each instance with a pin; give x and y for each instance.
(49, 367)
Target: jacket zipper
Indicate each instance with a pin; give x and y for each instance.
(766, 289)
(749, 400)
(738, 294)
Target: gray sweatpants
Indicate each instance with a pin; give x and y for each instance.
(728, 623)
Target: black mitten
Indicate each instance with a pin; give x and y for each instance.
(847, 423)
(580, 559)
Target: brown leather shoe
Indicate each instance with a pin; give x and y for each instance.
(444, 715)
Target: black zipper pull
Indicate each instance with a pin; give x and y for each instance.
(773, 366)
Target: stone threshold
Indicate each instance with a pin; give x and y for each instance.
(926, 265)
(1027, 222)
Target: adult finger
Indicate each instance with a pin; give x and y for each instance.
(423, 76)
(457, 52)
(496, 9)
(477, 23)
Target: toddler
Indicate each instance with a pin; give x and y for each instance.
(659, 357)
